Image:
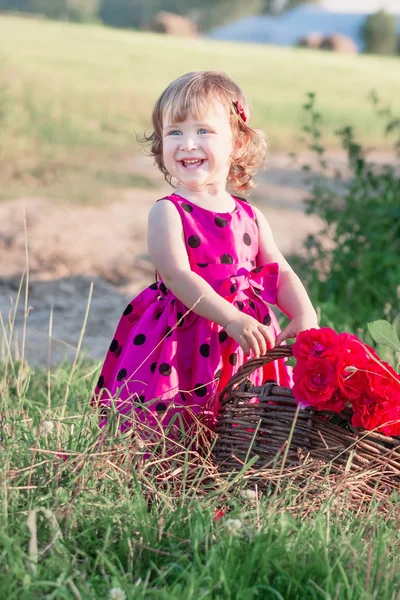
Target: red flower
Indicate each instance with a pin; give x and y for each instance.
(315, 381)
(315, 343)
(333, 370)
(384, 381)
(337, 403)
(353, 366)
(218, 514)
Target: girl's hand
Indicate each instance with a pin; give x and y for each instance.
(250, 335)
(300, 323)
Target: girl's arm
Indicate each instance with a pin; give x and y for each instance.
(292, 297)
(167, 249)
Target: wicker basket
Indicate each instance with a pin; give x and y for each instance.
(266, 421)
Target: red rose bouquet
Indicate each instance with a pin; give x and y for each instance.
(334, 371)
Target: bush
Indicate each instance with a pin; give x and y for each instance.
(73, 10)
(353, 267)
(379, 33)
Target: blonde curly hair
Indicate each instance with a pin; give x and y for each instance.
(188, 95)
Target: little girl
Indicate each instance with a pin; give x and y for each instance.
(181, 339)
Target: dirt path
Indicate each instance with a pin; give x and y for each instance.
(70, 246)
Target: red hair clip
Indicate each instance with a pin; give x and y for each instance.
(240, 110)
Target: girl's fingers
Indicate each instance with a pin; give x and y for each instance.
(244, 345)
(262, 344)
(267, 335)
(253, 343)
(284, 335)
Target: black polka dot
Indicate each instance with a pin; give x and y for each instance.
(113, 345)
(163, 288)
(194, 241)
(202, 265)
(139, 339)
(180, 320)
(220, 222)
(118, 351)
(226, 259)
(247, 239)
(168, 332)
(233, 358)
(128, 310)
(233, 289)
(253, 262)
(158, 315)
(267, 319)
(153, 367)
(222, 336)
(141, 399)
(240, 305)
(187, 207)
(218, 374)
(256, 270)
(251, 304)
(165, 369)
(104, 411)
(161, 407)
(183, 397)
(257, 291)
(173, 301)
(121, 374)
(100, 382)
(205, 350)
(200, 390)
(154, 286)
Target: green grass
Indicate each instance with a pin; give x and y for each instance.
(81, 515)
(110, 525)
(73, 94)
(74, 85)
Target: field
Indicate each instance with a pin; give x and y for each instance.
(81, 517)
(77, 86)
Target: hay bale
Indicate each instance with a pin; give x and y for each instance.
(172, 24)
(339, 43)
(312, 40)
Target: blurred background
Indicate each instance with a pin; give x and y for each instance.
(78, 79)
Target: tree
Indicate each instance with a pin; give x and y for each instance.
(275, 7)
(379, 33)
(74, 10)
(206, 13)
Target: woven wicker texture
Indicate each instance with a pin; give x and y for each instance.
(263, 420)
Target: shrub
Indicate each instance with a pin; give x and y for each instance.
(73, 10)
(379, 33)
(353, 267)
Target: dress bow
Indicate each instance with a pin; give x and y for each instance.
(263, 281)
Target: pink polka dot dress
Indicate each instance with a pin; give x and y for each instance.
(165, 359)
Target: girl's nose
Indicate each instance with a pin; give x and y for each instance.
(188, 144)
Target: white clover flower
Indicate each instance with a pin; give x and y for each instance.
(116, 594)
(249, 495)
(233, 526)
(46, 427)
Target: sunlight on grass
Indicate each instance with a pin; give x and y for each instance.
(86, 514)
(91, 85)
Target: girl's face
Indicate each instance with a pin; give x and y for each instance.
(198, 152)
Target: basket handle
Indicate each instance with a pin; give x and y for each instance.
(253, 364)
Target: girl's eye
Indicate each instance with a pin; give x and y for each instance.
(202, 130)
(175, 132)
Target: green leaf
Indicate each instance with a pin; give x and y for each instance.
(384, 333)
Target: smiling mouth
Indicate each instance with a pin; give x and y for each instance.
(193, 163)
